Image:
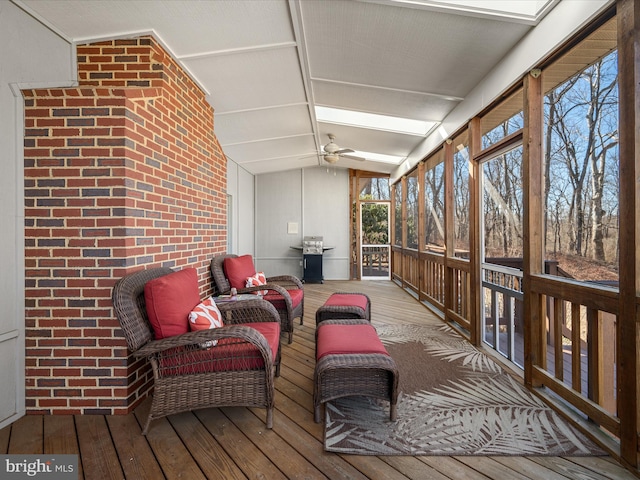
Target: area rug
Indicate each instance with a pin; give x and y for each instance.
(454, 400)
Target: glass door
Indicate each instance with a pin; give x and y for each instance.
(374, 241)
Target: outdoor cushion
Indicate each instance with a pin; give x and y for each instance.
(228, 354)
(238, 269)
(255, 281)
(169, 299)
(348, 339)
(277, 301)
(341, 299)
(205, 315)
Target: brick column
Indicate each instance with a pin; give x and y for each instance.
(121, 173)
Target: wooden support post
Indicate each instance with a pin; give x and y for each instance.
(627, 335)
(405, 263)
(451, 294)
(532, 168)
(354, 225)
(475, 238)
(421, 283)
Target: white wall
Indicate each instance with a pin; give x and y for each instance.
(326, 213)
(318, 202)
(246, 212)
(240, 188)
(31, 56)
(278, 203)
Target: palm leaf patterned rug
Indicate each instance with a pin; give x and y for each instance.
(453, 400)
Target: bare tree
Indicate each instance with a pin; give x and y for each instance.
(434, 205)
(601, 139)
(461, 196)
(581, 160)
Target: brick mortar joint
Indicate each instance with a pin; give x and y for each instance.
(146, 93)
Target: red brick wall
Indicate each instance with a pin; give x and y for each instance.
(121, 173)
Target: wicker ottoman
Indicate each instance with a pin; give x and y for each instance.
(345, 305)
(351, 360)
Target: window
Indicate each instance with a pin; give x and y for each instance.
(397, 217)
(376, 188)
(412, 210)
(434, 203)
(502, 208)
(507, 118)
(581, 160)
(461, 195)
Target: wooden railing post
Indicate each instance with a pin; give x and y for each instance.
(594, 357)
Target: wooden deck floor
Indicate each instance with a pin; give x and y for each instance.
(232, 443)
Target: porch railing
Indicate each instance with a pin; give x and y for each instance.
(503, 310)
(578, 362)
(424, 274)
(574, 355)
(375, 261)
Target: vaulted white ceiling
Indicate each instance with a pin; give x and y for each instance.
(267, 64)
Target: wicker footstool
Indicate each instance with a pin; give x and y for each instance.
(345, 305)
(351, 360)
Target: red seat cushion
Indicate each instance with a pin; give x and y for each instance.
(345, 339)
(277, 300)
(169, 300)
(351, 299)
(238, 269)
(227, 355)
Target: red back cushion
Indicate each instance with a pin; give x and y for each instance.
(238, 269)
(169, 300)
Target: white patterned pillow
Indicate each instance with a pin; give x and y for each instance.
(258, 279)
(206, 315)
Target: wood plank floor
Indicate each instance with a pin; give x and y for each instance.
(232, 443)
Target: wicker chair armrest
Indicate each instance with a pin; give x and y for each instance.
(195, 340)
(268, 286)
(248, 311)
(290, 282)
(227, 349)
(190, 338)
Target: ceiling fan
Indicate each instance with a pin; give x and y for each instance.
(331, 152)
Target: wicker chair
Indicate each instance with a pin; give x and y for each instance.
(277, 284)
(188, 372)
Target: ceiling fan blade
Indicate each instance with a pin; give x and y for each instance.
(310, 156)
(344, 150)
(351, 157)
